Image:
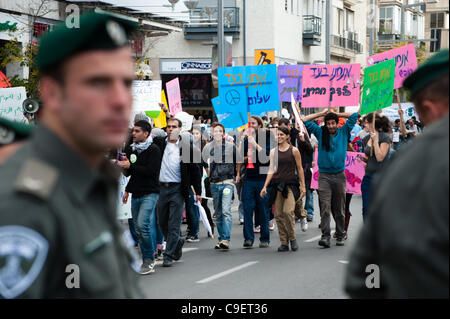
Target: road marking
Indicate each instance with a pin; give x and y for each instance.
(227, 272)
(313, 239)
(343, 261)
(185, 250)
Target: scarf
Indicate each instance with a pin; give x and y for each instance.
(140, 147)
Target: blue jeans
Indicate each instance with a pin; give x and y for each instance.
(309, 202)
(133, 233)
(239, 188)
(194, 215)
(143, 210)
(222, 198)
(251, 198)
(365, 190)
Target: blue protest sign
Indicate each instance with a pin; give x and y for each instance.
(251, 89)
(231, 120)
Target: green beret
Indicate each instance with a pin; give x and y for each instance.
(430, 70)
(97, 31)
(11, 132)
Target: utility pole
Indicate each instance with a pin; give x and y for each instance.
(371, 23)
(220, 34)
(328, 32)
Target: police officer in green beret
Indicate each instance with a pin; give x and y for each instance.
(402, 251)
(12, 137)
(59, 234)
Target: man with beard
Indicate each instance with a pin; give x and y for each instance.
(333, 143)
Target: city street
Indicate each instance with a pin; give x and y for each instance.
(205, 273)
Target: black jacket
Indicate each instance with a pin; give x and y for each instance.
(144, 172)
(191, 173)
(220, 170)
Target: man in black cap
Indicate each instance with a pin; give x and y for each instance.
(59, 235)
(402, 251)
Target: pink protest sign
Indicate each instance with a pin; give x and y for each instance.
(174, 96)
(331, 85)
(354, 171)
(405, 62)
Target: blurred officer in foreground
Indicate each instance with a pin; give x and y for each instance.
(59, 235)
(12, 137)
(402, 251)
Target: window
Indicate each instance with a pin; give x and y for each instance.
(340, 21)
(286, 5)
(386, 17)
(435, 45)
(437, 20)
(350, 20)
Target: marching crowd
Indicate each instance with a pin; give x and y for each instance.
(58, 206)
(174, 173)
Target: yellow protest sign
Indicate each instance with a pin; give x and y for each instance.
(161, 120)
(264, 57)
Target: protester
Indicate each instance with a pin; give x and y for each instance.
(260, 142)
(286, 187)
(376, 148)
(143, 163)
(302, 143)
(178, 174)
(58, 192)
(223, 171)
(410, 197)
(333, 143)
(200, 143)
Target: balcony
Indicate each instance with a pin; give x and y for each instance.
(203, 23)
(312, 30)
(348, 42)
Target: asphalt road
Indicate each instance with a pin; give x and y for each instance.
(204, 273)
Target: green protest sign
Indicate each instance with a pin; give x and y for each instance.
(378, 89)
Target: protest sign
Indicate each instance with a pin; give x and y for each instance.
(333, 85)
(408, 112)
(146, 97)
(11, 100)
(186, 120)
(226, 118)
(4, 81)
(264, 57)
(405, 62)
(123, 210)
(290, 81)
(161, 120)
(251, 89)
(378, 90)
(354, 172)
(174, 96)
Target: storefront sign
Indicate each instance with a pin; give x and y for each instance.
(174, 66)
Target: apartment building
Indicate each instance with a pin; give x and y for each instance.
(437, 26)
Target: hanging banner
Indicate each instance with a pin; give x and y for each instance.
(354, 172)
(146, 97)
(251, 89)
(263, 57)
(333, 85)
(405, 62)
(11, 100)
(378, 89)
(174, 96)
(290, 81)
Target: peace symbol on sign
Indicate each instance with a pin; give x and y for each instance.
(233, 97)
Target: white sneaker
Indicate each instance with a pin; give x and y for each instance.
(304, 224)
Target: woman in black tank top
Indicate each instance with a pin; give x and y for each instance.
(286, 171)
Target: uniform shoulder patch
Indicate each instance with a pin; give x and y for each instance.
(36, 178)
(23, 252)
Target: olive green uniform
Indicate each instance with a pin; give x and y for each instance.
(56, 211)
